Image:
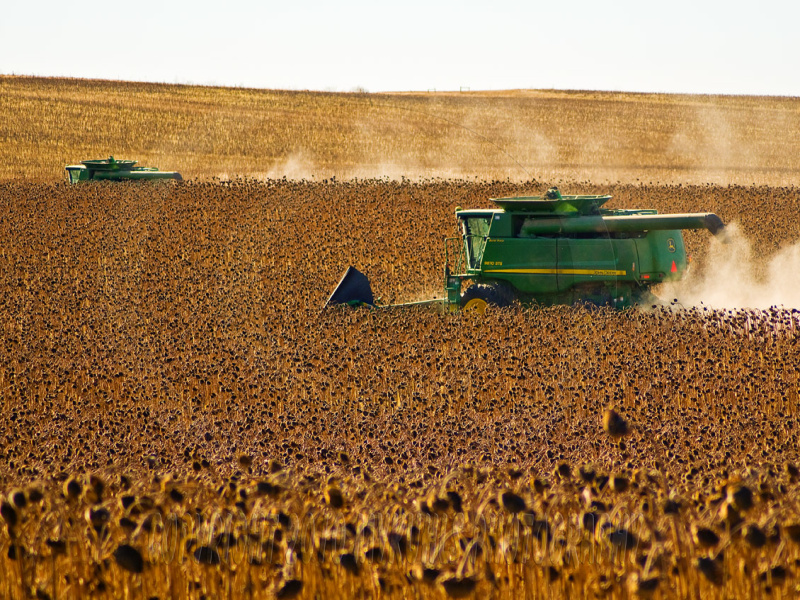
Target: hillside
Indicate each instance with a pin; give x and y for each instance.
(547, 135)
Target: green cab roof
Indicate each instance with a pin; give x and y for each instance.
(548, 204)
(109, 164)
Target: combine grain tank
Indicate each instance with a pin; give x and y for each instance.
(111, 169)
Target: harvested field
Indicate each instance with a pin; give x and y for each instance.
(548, 135)
(180, 420)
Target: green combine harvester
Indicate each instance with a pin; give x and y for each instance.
(554, 249)
(116, 170)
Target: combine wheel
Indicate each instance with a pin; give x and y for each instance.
(479, 296)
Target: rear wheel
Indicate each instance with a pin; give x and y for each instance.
(480, 295)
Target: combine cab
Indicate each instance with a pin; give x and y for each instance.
(116, 170)
(556, 249)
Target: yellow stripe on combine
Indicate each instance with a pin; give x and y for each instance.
(558, 271)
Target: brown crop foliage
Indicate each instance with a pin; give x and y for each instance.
(547, 135)
(179, 419)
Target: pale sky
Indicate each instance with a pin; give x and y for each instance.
(731, 47)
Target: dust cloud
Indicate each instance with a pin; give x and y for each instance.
(734, 277)
(293, 166)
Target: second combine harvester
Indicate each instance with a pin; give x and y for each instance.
(554, 249)
(110, 169)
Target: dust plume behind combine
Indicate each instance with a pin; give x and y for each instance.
(734, 277)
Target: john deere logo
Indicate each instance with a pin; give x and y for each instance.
(671, 245)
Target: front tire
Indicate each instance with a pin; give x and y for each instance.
(479, 296)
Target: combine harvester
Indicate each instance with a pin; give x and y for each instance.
(116, 170)
(554, 249)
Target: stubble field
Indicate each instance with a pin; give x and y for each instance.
(547, 135)
(181, 420)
